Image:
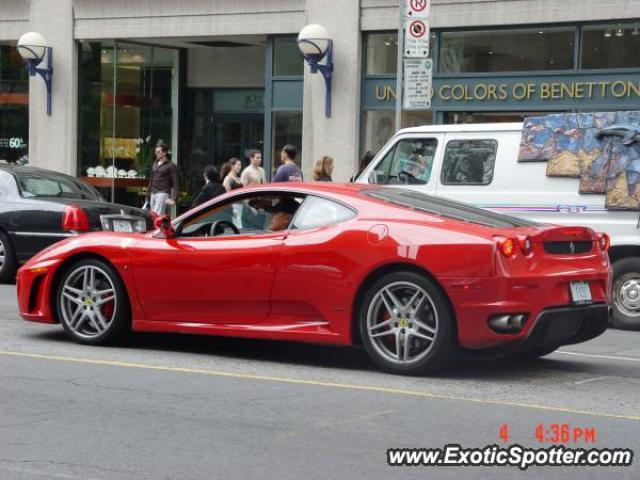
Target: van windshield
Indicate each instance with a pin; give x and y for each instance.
(445, 208)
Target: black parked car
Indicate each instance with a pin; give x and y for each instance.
(39, 207)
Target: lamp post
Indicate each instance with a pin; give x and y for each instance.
(33, 47)
(315, 45)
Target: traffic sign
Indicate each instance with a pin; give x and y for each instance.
(418, 78)
(417, 8)
(416, 38)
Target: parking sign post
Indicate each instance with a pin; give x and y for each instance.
(415, 71)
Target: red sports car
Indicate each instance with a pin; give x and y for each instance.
(411, 277)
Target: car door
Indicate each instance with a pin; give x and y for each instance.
(311, 285)
(198, 278)
(469, 172)
(411, 161)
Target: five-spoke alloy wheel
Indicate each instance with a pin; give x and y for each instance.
(92, 303)
(406, 325)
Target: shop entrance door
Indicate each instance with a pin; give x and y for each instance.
(235, 135)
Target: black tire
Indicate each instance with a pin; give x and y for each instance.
(8, 262)
(625, 270)
(120, 321)
(442, 349)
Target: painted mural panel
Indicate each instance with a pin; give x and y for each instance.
(601, 148)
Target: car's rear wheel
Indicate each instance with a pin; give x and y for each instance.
(8, 262)
(92, 303)
(406, 324)
(626, 293)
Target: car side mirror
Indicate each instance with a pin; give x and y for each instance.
(163, 226)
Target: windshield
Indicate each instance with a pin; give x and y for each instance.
(445, 208)
(51, 185)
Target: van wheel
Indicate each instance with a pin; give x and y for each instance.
(626, 294)
(8, 263)
(406, 325)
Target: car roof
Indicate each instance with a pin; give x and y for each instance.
(349, 189)
(465, 127)
(13, 168)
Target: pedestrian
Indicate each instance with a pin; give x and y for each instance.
(364, 163)
(254, 173)
(230, 174)
(212, 187)
(163, 181)
(289, 171)
(323, 170)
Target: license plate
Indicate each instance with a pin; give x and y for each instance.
(122, 226)
(580, 292)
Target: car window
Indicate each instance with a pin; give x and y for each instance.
(409, 162)
(318, 212)
(247, 215)
(47, 185)
(469, 162)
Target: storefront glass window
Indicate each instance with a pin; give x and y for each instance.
(14, 106)
(287, 60)
(379, 126)
(611, 46)
(488, 117)
(124, 113)
(507, 50)
(381, 51)
(286, 128)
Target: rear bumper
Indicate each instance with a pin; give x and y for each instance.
(563, 326)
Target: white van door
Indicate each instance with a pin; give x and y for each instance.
(467, 170)
(410, 160)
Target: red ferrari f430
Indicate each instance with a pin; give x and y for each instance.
(412, 278)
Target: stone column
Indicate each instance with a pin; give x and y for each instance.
(53, 138)
(337, 136)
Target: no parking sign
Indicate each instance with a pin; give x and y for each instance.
(417, 8)
(416, 38)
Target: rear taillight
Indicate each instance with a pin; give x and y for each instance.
(526, 245)
(74, 219)
(507, 246)
(604, 241)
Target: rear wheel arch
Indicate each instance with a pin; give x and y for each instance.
(64, 266)
(380, 272)
(617, 252)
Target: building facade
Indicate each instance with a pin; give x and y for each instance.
(215, 79)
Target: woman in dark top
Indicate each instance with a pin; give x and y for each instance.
(230, 174)
(364, 163)
(323, 170)
(212, 188)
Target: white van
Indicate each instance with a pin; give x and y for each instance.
(478, 164)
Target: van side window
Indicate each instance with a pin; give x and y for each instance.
(469, 162)
(408, 162)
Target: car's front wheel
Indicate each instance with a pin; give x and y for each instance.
(406, 324)
(92, 303)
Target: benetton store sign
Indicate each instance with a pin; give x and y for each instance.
(531, 92)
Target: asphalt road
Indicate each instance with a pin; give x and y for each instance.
(184, 407)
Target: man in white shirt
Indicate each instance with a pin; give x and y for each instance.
(254, 173)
